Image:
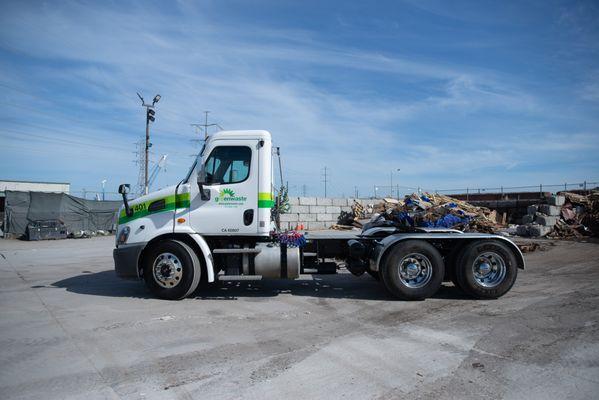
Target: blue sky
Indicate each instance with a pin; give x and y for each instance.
(455, 94)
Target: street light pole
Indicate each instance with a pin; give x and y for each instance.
(103, 191)
(147, 151)
(391, 175)
(398, 169)
(149, 117)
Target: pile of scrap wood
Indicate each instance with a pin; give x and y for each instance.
(428, 210)
(439, 211)
(350, 220)
(579, 216)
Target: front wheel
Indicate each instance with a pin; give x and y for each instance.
(486, 269)
(172, 270)
(413, 270)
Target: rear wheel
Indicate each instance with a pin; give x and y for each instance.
(486, 269)
(413, 270)
(172, 270)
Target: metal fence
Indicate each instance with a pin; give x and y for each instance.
(95, 195)
(400, 191)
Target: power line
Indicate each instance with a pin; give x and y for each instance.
(206, 125)
(163, 133)
(51, 139)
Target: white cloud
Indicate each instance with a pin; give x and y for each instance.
(88, 61)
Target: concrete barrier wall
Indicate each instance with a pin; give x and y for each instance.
(317, 212)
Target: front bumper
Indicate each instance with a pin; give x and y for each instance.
(126, 258)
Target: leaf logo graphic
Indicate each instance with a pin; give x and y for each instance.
(227, 193)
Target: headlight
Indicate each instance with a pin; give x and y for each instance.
(123, 235)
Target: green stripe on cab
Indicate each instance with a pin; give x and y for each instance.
(140, 210)
(265, 200)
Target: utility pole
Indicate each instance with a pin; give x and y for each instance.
(304, 190)
(206, 125)
(391, 175)
(356, 192)
(398, 170)
(325, 181)
(149, 118)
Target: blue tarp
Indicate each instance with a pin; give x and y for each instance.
(447, 221)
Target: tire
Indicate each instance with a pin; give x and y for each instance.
(375, 274)
(486, 269)
(413, 270)
(165, 258)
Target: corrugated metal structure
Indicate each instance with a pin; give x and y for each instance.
(27, 186)
(22, 208)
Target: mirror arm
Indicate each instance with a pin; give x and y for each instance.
(128, 210)
(204, 193)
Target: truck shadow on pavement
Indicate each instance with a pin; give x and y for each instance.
(106, 283)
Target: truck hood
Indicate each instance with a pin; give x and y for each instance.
(140, 205)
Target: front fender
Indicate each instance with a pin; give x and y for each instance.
(207, 255)
(203, 245)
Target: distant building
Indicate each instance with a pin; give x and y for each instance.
(31, 186)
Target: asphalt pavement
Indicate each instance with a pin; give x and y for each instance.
(69, 328)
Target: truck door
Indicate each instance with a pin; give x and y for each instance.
(231, 176)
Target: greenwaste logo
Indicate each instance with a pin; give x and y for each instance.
(228, 198)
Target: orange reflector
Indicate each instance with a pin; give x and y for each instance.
(180, 220)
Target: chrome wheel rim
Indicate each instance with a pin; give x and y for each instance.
(415, 270)
(489, 269)
(167, 270)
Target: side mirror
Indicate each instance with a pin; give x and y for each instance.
(124, 188)
(204, 193)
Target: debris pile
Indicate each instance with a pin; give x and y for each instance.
(350, 220)
(86, 234)
(439, 211)
(565, 216)
(425, 210)
(578, 216)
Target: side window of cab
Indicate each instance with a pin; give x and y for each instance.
(228, 164)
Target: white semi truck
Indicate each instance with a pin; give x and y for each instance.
(216, 224)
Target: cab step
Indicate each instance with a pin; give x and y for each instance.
(236, 251)
(240, 277)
